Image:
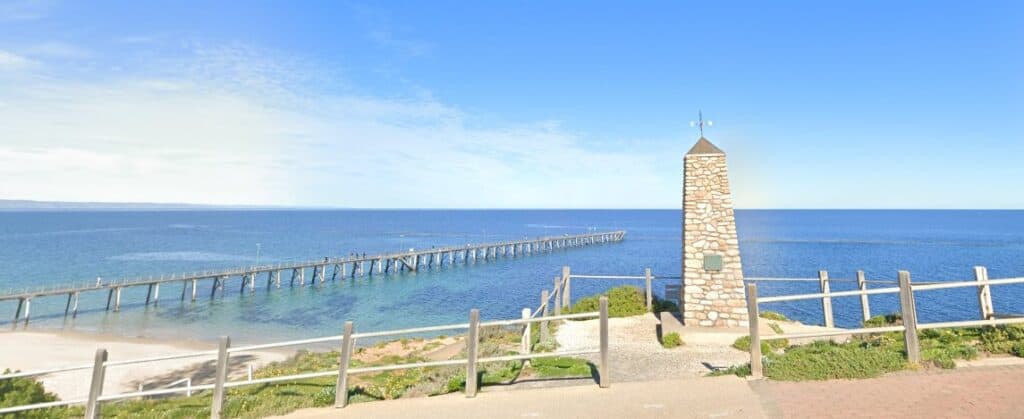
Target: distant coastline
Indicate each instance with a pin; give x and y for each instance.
(29, 205)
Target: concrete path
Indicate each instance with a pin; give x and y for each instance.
(975, 392)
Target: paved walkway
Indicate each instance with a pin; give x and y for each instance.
(981, 392)
(978, 392)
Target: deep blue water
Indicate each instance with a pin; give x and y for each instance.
(40, 248)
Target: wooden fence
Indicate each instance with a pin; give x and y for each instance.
(346, 343)
(908, 310)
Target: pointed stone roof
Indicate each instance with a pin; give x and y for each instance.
(704, 146)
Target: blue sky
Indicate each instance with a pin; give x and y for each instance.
(515, 105)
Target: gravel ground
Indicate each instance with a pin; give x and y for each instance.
(635, 354)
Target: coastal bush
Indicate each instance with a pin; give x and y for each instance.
(562, 367)
(1018, 349)
(774, 315)
(671, 340)
(882, 320)
(743, 343)
(825, 360)
(623, 301)
(22, 391)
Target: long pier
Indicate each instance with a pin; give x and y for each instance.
(338, 267)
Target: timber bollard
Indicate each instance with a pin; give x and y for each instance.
(558, 296)
(527, 332)
(862, 285)
(603, 374)
(753, 314)
(984, 293)
(92, 407)
(341, 387)
(647, 289)
(566, 290)
(545, 334)
(472, 343)
(908, 311)
(221, 378)
(826, 301)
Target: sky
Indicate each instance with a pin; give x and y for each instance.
(511, 104)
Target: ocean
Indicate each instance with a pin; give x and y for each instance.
(40, 248)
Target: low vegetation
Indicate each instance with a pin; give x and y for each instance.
(774, 315)
(280, 398)
(872, 355)
(623, 301)
(671, 340)
(22, 391)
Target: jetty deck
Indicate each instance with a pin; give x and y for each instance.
(321, 270)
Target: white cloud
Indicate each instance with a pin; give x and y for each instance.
(55, 49)
(10, 61)
(21, 10)
(233, 128)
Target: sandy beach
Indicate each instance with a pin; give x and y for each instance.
(27, 351)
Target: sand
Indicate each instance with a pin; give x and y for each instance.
(29, 351)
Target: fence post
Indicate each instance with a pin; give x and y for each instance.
(92, 407)
(341, 387)
(908, 311)
(544, 332)
(826, 302)
(471, 351)
(647, 289)
(605, 380)
(862, 285)
(221, 377)
(526, 331)
(566, 290)
(558, 296)
(753, 314)
(984, 293)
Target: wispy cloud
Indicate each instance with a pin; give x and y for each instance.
(239, 125)
(56, 49)
(410, 47)
(10, 61)
(20, 10)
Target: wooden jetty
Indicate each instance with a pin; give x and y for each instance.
(321, 270)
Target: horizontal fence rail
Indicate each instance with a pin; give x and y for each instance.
(908, 309)
(346, 341)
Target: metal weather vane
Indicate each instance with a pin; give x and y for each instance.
(700, 122)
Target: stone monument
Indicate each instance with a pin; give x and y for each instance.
(712, 279)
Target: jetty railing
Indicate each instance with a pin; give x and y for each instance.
(334, 268)
(346, 341)
(907, 310)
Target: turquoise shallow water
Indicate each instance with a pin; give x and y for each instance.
(39, 248)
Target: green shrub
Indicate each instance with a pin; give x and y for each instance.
(22, 391)
(623, 301)
(825, 360)
(774, 315)
(882, 320)
(743, 344)
(1000, 339)
(1018, 349)
(561, 367)
(742, 370)
(671, 340)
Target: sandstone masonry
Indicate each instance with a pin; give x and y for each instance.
(712, 286)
